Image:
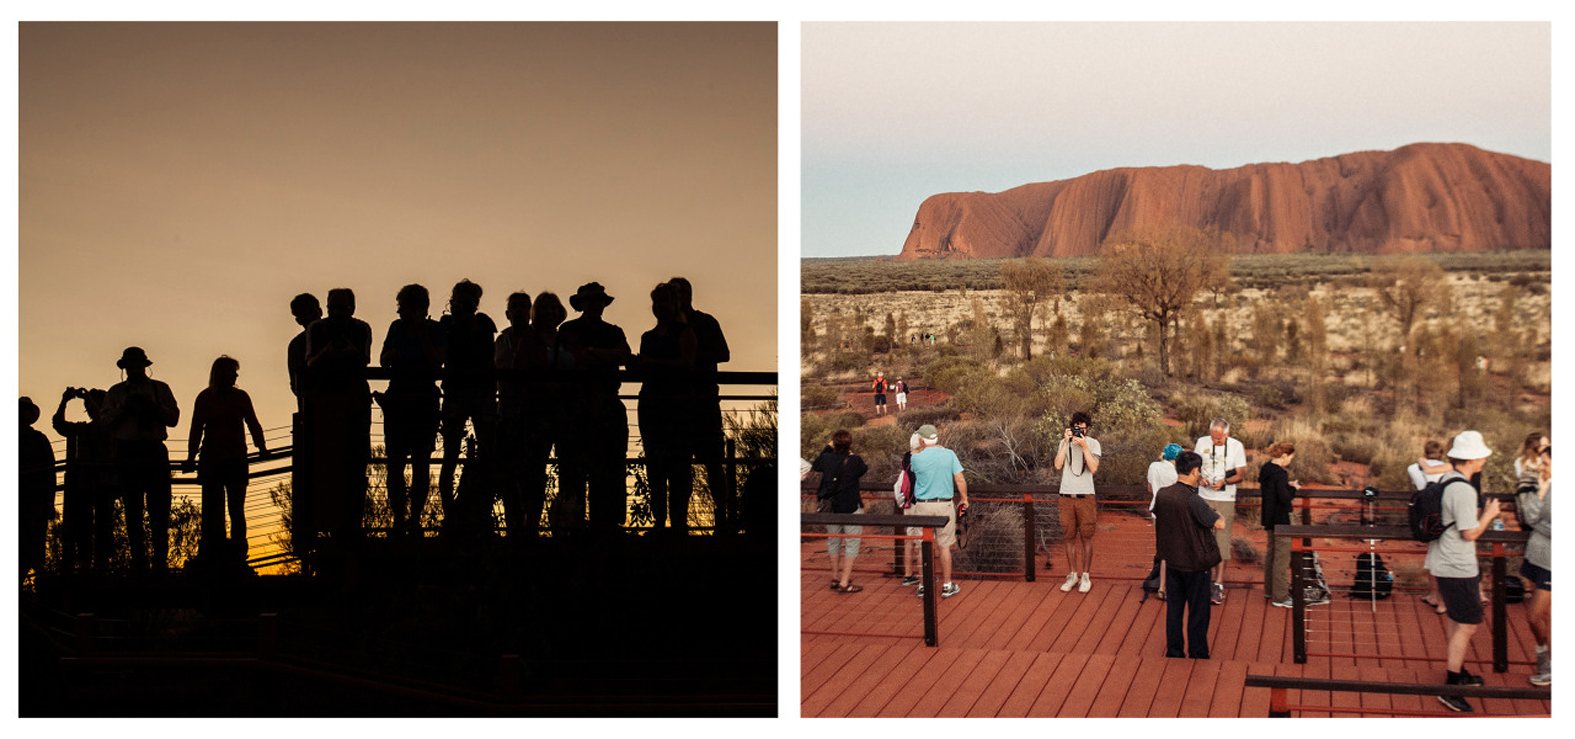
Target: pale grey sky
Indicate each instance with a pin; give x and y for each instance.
(895, 112)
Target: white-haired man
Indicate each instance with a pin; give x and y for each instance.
(937, 480)
(1224, 465)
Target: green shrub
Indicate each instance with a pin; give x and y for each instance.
(937, 414)
(817, 397)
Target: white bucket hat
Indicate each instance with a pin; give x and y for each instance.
(1469, 445)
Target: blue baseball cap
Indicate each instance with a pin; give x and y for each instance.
(1171, 450)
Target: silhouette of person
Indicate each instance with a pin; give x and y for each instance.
(338, 350)
(90, 490)
(708, 440)
(549, 403)
(667, 407)
(511, 352)
(306, 310)
(413, 352)
(220, 417)
(138, 412)
(36, 489)
(596, 460)
(469, 385)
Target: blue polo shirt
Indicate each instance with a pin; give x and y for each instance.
(932, 473)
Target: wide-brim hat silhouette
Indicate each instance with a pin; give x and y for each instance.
(133, 356)
(590, 293)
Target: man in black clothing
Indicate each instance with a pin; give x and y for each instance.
(469, 390)
(36, 489)
(338, 350)
(709, 440)
(306, 310)
(138, 413)
(1184, 525)
(594, 463)
(90, 495)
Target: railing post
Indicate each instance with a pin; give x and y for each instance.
(898, 549)
(1298, 605)
(730, 485)
(1028, 537)
(86, 628)
(1279, 703)
(927, 582)
(1500, 611)
(1306, 511)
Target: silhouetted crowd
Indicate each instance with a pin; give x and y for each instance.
(541, 385)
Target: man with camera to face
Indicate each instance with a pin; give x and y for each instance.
(90, 492)
(1077, 459)
(1224, 465)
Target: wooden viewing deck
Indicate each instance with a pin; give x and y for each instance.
(1018, 649)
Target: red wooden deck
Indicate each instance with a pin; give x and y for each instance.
(1013, 648)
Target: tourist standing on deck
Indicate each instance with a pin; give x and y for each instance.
(937, 480)
(1452, 558)
(35, 491)
(595, 470)
(139, 411)
(1535, 508)
(1224, 465)
(220, 418)
(1077, 459)
(413, 352)
(840, 472)
(1183, 526)
(1279, 493)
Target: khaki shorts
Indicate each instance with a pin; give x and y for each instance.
(946, 537)
(1227, 511)
(1078, 514)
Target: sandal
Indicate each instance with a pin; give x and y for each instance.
(836, 584)
(1437, 607)
(851, 588)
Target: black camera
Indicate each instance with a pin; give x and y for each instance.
(1078, 432)
(77, 392)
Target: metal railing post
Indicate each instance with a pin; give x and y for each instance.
(1028, 537)
(1500, 611)
(927, 581)
(1298, 606)
(1279, 703)
(898, 550)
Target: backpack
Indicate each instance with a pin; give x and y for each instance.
(1373, 580)
(1425, 513)
(903, 489)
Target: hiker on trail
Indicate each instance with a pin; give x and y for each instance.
(1077, 459)
(220, 418)
(1429, 469)
(879, 388)
(138, 412)
(469, 387)
(840, 472)
(1183, 522)
(667, 409)
(35, 490)
(1161, 474)
(594, 470)
(1452, 558)
(1535, 508)
(89, 516)
(1279, 493)
(413, 352)
(937, 479)
(902, 395)
(706, 434)
(1224, 465)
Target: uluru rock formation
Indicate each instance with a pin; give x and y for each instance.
(1418, 198)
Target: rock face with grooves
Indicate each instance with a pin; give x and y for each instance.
(1418, 198)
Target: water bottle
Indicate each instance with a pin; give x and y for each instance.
(1498, 524)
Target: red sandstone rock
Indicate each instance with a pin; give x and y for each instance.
(1418, 198)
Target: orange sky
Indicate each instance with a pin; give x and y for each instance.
(179, 183)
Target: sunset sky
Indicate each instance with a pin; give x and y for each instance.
(179, 183)
(895, 112)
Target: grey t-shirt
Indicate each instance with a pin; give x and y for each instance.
(1450, 555)
(1076, 479)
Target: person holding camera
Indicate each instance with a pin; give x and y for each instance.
(90, 492)
(1224, 465)
(1077, 459)
(138, 411)
(1182, 524)
(1534, 505)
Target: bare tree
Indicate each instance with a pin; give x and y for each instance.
(1158, 271)
(1029, 284)
(1410, 286)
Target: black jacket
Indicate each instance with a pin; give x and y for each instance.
(1278, 495)
(839, 479)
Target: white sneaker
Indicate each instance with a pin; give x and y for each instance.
(1083, 585)
(1071, 581)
